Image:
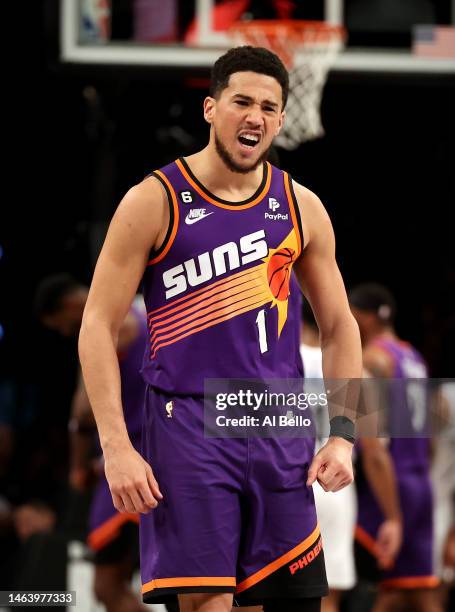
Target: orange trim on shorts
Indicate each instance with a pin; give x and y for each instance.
(275, 565)
(191, 581)
(232, 206)
(175, 206)
(411, 582)
(108, 531)
(295, 223)
(366, 540)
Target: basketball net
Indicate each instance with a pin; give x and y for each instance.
(308, 49)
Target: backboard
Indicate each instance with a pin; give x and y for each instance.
(182, 33)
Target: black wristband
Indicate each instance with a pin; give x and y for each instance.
(342, 427)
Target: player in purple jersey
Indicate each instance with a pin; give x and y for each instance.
(59, 303)
(337, 512)
(409, 583)
(214, 239)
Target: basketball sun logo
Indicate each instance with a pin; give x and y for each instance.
(279, 267)
(169, 408)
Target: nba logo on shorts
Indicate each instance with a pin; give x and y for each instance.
(169, 409)
(273, 204)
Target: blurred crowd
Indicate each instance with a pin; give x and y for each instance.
(50, 469)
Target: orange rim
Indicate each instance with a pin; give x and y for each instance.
(297, 29)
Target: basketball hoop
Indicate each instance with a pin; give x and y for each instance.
(308, 49)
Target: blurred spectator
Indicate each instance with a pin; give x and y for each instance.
(33, 518)
(40, 561)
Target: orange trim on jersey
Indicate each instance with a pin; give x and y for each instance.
(233, 206)
(208, 314)
(196, 581)
(210, 297)
(175, 206)
(411, 582)
(366, 540)
(211, 322)
(275, 565)
(202, 294)
(295, 223)
(214, 303)
(108, 531)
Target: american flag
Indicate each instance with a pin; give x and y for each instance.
(434, 41)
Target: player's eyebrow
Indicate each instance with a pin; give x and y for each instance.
(250, 99)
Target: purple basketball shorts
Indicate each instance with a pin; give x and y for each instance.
(413, 567)
(236, 516)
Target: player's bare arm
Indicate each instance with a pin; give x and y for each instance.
(323, 286)
(380, 473)
(138, 226)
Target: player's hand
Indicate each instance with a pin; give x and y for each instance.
(332, 466)
(131, 481)
(388, 542)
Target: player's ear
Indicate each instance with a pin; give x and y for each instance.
(280, 123)
(209, 109)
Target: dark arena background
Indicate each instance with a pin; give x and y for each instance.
(88, 127)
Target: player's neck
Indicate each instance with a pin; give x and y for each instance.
(213, 173)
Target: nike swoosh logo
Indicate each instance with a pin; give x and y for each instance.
(196, 219)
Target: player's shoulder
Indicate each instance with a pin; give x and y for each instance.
(142, 198)
(309, 203)
(378, 361)
(314, 217)
(143, 213)
(149, 189)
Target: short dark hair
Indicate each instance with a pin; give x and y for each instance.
(50, 293)
(248, 59)
(373, 297)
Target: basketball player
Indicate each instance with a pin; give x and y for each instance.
(113, 536)
(337, 512)
(410, 582)
(213, 238)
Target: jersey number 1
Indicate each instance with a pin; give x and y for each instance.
(262, 329)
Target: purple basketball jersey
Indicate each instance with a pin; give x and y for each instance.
(217, 292)
(408, 407)
(410, 455)
(237, 515)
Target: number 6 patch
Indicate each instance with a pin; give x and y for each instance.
(187, 196)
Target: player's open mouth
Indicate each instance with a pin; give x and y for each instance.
(249, 140)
